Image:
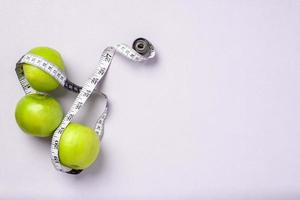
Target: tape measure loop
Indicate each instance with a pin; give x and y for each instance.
(142, 50)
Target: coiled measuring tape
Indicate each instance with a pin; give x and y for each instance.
(142, 50)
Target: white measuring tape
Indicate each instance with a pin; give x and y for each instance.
(142, 50)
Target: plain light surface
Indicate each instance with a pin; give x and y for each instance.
(215, 116)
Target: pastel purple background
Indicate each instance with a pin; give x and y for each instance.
(215, 116)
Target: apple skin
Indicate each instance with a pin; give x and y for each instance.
(79, 146)
(37, 78)
(38, 114)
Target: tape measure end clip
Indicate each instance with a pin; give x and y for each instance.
(142, 46)
(75, 171)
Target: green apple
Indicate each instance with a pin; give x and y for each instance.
(38, 114)
(37, 78)
(79, 146)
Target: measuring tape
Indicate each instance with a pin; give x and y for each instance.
(142, 50)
